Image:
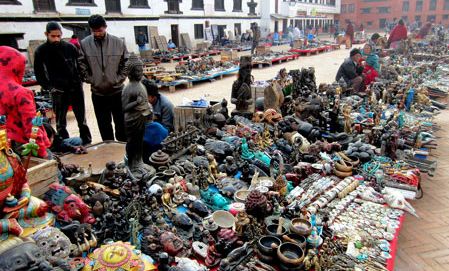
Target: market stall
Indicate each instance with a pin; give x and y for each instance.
(315, 177)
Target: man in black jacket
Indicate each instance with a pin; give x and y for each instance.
(351, 72)
(102, 64)
(56, 69)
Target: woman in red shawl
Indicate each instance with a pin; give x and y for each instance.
(398, 33)
(17, 102)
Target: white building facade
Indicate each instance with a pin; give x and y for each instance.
(24, 20)
(279, 15)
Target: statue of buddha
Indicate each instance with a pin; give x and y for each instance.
(137, 111)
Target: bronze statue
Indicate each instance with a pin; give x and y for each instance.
(241, 89)
(137, 111)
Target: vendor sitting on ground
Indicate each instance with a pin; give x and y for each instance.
(155, 133)
(171, 44)
(163, 109)
(60, 145)
(370, 72)
(350, 71)
(398, 34)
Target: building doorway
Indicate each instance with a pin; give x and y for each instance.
(113, 6)
(175, 34)
(276, 27)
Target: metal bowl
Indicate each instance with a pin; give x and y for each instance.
(268, 245)
(301, 226)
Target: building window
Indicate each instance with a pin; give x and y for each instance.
(419, 5)
(343, 8)
(198, 4)
(405, 6)
(10, 2)
(219, 5)
(431, 18)
(446, 4)
(351, 8)
(383, 10)
(433, 5)
(173, 7)
(404, 18)
(44, 5)
(366, 10)
(445, 16)
(81, 3)
(199, 31)
(237, 6)
(370, 23)
(382, 23)
(237, 29)
(138, 4)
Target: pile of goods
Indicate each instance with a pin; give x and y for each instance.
(317, 180)
(204, 67)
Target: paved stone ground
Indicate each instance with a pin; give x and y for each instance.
(326, 65)
(424, 242)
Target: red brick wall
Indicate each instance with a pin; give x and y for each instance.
(372, 19)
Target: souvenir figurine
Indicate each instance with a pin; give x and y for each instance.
(213, 166)
(257, 204)
(242, 223)
(136, 110)
(171, 243)
(81, 236)
(224, 108)
(166, 197)
(241, 88)
(273, 97)
(246, 153)
(348, 121)
(21, 214)
(18, 255)
(213, 257)
(55, 246)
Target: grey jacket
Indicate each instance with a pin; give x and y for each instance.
(347, 70)
(102, 64)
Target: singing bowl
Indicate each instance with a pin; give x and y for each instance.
(241, 195)
(272, 230)
(290, 254)
(296, 239)
(301, 226)
(268, 244)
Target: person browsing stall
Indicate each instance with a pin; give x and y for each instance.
(102, 65)
(163, 109)
(56, 68)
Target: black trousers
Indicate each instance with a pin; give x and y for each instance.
(61, 102)
(107, 108)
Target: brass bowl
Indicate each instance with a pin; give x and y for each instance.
(240, 195)
(296, 239)
(301, 226)
(272, 230)
(290, 254)
(268, 245)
